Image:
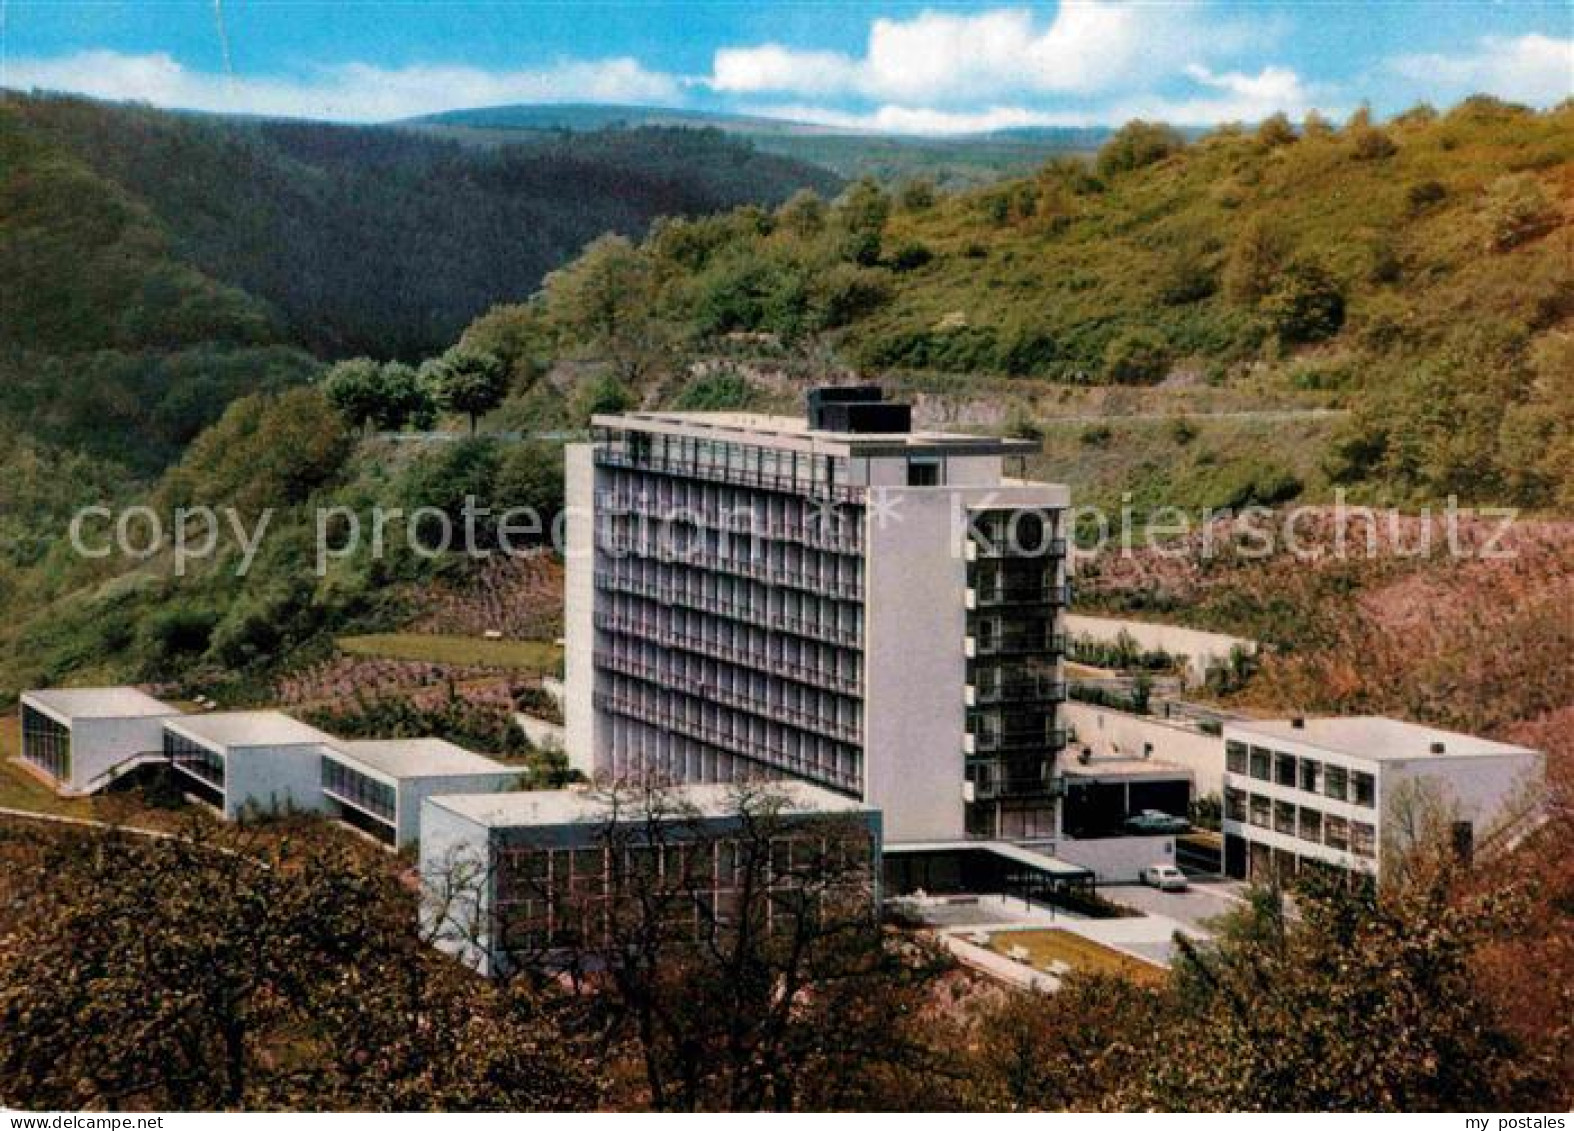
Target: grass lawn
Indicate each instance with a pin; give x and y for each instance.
(537, 656)
(1079, 953)
(20, 789)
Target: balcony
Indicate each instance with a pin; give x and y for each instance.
(1035, 739)
(743, 612)
(844, 537)
(647, 629)
(725, 741)
(783, 482)
(1017, 691)
(1015, 644)
(755, 569)
(711, 691)
(1002, 778)
(996, 549)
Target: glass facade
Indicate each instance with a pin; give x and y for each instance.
(350, 786)
(46, 743)
(548, 897)
(207, 766)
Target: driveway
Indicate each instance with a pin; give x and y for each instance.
(1206, 899)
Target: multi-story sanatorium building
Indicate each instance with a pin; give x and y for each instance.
(840, 600)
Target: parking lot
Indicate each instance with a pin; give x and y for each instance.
(1207, 898)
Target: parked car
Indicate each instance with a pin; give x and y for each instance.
(1156, 821)
(1165, 877)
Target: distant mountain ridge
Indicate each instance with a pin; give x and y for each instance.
(951, 161)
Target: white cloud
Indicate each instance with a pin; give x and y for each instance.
(941, 58)
(350, 92)
(1536, 69)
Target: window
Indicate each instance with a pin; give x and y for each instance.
(923, 473)
(1235, 757)
(1336, 833)
(1234, 804)
(1336, 783)
(1311, 776)
(201, 763)
(1284, 818)
(1260, 760)
(1259, 810)
(1284, 769)
(1363, 790)
(1363, 839)
(1311, 825)
(358, 790)
(46, 743)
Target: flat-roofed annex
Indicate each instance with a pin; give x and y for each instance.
(67, 703)
(241, 729)
(554, 807)
(407, 758)
(790, 433)
(1373, 737)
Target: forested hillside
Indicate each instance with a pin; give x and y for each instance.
(377, 240)
(1419, 273)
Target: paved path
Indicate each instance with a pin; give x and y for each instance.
(83, 822)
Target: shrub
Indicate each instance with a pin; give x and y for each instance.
(1274, 131)
(716, 392)
(1368, 143)
(911, 256)
(1516, 210)
(1096, 435)
(1256, 258)
(1423, 194)
(1137, 357)
(1136, 145)
(1307, 305)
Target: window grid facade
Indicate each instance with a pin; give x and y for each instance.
(46, 743)
(1303, 801)
(729, 619)
(207, 766)
(548, 897)
(366, 793)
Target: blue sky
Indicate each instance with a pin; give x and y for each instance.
(930, 68)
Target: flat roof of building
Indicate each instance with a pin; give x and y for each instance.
(551, 807)
(249, 728)
(793, 432)
(416, 757)
(100, 703)
(1125, 769)
(1374, 737)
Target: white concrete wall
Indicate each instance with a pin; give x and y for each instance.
(98, 745)
(1197, 646)
(1485, 789)
(1117, 859)
(579, 592)
(413, 792)
(455, 871)
(273, 779)
(914, 667)
(1111, 732)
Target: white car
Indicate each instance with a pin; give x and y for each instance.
(1165, 877)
